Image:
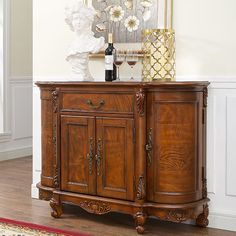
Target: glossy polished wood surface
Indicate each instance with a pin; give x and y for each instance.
(174, 175)
(136, 148)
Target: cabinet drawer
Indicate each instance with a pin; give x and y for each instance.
(110, 103)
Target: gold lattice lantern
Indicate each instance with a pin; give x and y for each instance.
(159, 54)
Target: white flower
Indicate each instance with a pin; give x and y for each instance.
(132, 23)
(146, 15)
(146, 3)
(129, 4)
(117, 13)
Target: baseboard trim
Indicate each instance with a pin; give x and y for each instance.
(222, 221)
(16, 153)
(34, 191)
(5, 137)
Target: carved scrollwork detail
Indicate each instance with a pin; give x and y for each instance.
(55, 94)
(95, 207)
(149, 147)
(56, 178)
(205, 96)
(54, 137)
(141, 188)
(54, 140)
(175, 215)
(140, 100)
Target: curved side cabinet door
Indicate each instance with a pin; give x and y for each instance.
(174, 175)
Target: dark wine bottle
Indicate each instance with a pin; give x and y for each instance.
(110, 67)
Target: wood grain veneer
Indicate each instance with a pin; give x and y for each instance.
(137, 148)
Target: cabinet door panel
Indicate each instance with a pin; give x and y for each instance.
(174, 175)
(115, 141)
(77, 141)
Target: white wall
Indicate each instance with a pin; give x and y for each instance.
(1, 65)
(206, 36)
(21, 63)
(16, 141)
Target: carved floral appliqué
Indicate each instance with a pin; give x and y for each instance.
(141, 188)
(140, 100)
(95, 207)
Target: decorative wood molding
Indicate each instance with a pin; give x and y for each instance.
(140, 100)
(202, 219)
(56, 177)
(204, 183)
(55, 94)
(56, 171)
(141, 188)
(175, 215)
(204, 188)
(95, 207)
(149, 147)
(205, 96)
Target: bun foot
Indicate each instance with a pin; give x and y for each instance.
(56, 208)
(140, 219)
(202, 220)
(140, 229)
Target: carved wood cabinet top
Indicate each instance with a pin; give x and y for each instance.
(186, 84)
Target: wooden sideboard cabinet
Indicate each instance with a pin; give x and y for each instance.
(130, 147)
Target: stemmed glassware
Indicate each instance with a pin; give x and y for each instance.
(132, 59)
(119, 58)
(130, 56)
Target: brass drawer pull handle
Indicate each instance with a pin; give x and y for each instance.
(90, 156)
(149, 147)
(100, 104)
(98, 156)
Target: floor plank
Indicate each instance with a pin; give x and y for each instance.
(16, 203)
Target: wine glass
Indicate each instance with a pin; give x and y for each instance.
(119, 58)
(132, 59)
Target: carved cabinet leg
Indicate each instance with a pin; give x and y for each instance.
(140, 219)
(56, 208)
(202, 220)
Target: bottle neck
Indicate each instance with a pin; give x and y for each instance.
(110, 39)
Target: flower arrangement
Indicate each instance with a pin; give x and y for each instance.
(123, 17)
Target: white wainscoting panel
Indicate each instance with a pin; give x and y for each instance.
(221, 148)
(231, 146)
(22, 110)
(18, 141)
(221, 155)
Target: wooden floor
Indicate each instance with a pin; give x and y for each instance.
(16, 203)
